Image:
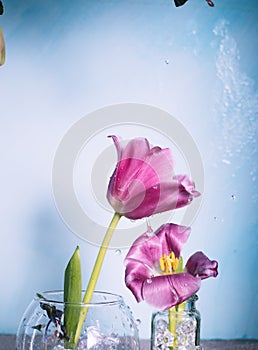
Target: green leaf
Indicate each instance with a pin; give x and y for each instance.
(72, 294)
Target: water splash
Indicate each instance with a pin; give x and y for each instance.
(236, 106)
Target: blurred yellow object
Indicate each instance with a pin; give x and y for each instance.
(2, 48)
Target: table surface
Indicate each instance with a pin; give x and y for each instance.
(7, 342)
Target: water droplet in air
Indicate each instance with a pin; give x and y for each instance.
(226, 161)
(118, 252)
(167, 61)
(233, 197)
(210, 3)
(138, 322)
(149, 231)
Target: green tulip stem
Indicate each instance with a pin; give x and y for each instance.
(174, 313)
(100, 258)
(96, 271)
(172, 321)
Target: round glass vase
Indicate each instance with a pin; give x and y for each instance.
(177, 328)
(109, 324)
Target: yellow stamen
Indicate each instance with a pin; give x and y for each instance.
(162, 263)
(168, 263)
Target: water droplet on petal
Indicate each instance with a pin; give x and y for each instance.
(149, 280)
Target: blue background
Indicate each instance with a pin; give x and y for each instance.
(66, 59)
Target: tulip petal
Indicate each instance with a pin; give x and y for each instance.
(143, 203)
(200, 265)
(177, 193)
(172, 237)
(137, 148)
(135, 275)
(144, 251)
(162, 197)
(130, 160)
(163, 292)
(186, 190)
(119, 148)
(147, 250)
(161, 160)
(126, 179)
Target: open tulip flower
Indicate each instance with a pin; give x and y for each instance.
(143, 182)
(152, 268)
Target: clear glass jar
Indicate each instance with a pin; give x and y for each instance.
(177, 328)
(109, 324)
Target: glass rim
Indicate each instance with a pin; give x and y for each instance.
(112, 298)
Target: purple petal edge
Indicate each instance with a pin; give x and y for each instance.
(200, 265)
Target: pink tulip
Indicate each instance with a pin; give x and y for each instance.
(143, 182)
(146, 280)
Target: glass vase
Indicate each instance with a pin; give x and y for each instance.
(177, 328)
(109, 324)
